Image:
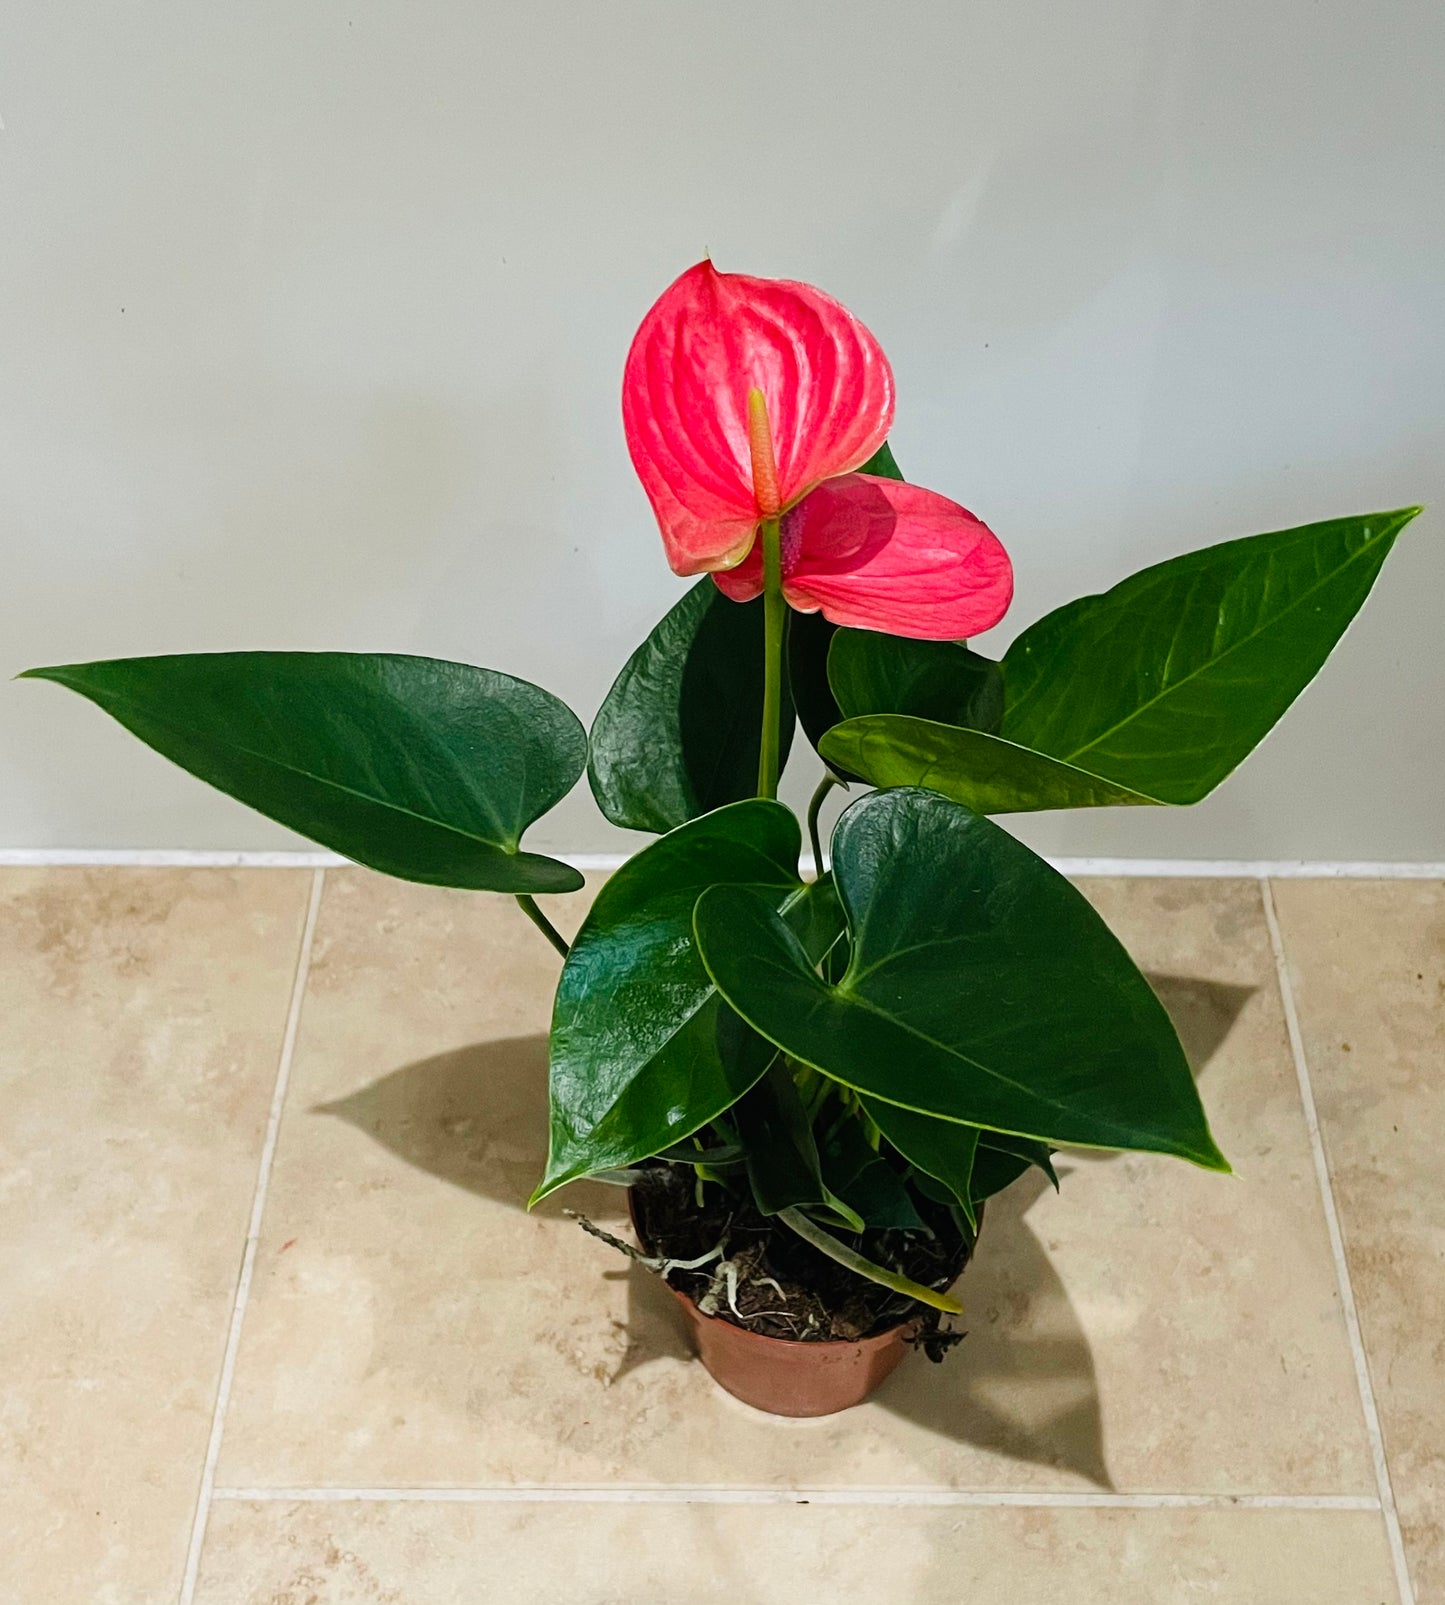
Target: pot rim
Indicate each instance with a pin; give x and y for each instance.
(819, 1344)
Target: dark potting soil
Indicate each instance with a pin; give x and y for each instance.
(784, 1287)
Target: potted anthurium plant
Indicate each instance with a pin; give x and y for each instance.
(811, 1086)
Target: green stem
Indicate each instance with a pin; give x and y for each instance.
(825, 785)
(827, 1244)
(543, 924)
(775, 618)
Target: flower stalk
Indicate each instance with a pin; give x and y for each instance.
(775, 621)
(775, 607)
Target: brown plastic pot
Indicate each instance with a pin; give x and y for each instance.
(786, 1377)
(789, 1378)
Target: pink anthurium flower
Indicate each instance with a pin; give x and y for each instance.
(750, 399)
(878, 554)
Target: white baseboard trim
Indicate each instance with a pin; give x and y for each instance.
(165, 858)
(602, 863)
(1254, 868)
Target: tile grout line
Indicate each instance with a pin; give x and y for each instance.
(1337, 1248)
(207, 1488)
(209, 1492)
(681, 1494)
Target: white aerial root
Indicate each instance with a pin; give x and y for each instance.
(725, 1276)
(667, 1266)
(655, 1262)
(724, 1281)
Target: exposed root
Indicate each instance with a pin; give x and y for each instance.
(650, 1261)
(654, 1262)
(733, 1264)
(730, 1273)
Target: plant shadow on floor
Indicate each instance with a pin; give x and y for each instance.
(1023, 1385)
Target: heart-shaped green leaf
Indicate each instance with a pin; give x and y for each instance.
(644, 1053)
(1153, 692)
(987, 774)
(996, 1168)
(678, 734)
(943, 1149)
(420, 768)
(1165, 683)
(1036, 1154)
(998, 1161)
(944, 681)
(982, 987)
(810, 636)
(783, 1164)
(864, 1180)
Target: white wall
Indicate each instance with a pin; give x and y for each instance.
(312, 318)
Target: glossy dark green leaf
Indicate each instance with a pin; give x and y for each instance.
(1165, 683)
(998, 1162)
(420, 768)
(928, 1187)
(943, 1149)
(982, 987)
(714, 1156)
(993, 1170)
(985, 773)
(882, 464)
(777, 1138)
(784, 1168)
(1153, 692)
(810, 636)
(863, 1179)
(944, 681)
(817, 920)
(643, 1052)
(835, 961)
(678, 733)
(1001, 1160)
(1035, 1154)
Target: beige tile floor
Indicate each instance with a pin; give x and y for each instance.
(276, 1328)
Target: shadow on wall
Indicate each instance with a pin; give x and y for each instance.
(1023, 1386)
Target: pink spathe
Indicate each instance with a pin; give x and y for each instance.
(878, 554)
(727, 372)
(711, 338)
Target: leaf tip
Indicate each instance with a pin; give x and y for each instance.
(1397, 518)
(1210, 1158)
(1394, 520)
